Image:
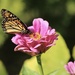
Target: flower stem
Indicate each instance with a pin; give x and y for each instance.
(39, 62)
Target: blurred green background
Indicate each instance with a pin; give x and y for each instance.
(59, 13)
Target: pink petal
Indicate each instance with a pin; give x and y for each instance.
(37, 45)
(33, 49)
(50, 32)
(15, 38)
(44, 28)
(31, 52)
(31, 28)
(70, 67)
(20, 47)
(67, 68)
(20, 41)
(36, 24)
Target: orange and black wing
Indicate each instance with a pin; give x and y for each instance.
(12, 24)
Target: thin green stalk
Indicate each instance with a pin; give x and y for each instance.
(39, 62)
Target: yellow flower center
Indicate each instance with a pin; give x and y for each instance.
(35, 36)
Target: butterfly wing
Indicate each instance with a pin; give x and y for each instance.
(12, 24)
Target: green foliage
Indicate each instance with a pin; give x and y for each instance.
(27, 71)
(32, 65)
(2, 69)
(53, 60)
(2, 36)
(53, 73)
(17, 5)
(71, 7)
(73, 52)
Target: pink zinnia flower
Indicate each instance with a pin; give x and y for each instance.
(41, 38)
(70, 67)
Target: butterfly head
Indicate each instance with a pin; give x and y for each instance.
(25, 31)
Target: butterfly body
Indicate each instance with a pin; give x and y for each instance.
(12, 24)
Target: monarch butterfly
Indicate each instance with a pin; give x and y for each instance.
(12, 24)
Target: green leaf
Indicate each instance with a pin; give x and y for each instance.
(73, 52)
(53, 59)
(27, 71)
(30, 67)
(57, 72)
(18, 4)
(53, 73)
(2, 69)
(70, 7)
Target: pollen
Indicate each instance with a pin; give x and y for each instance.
(35, 36)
